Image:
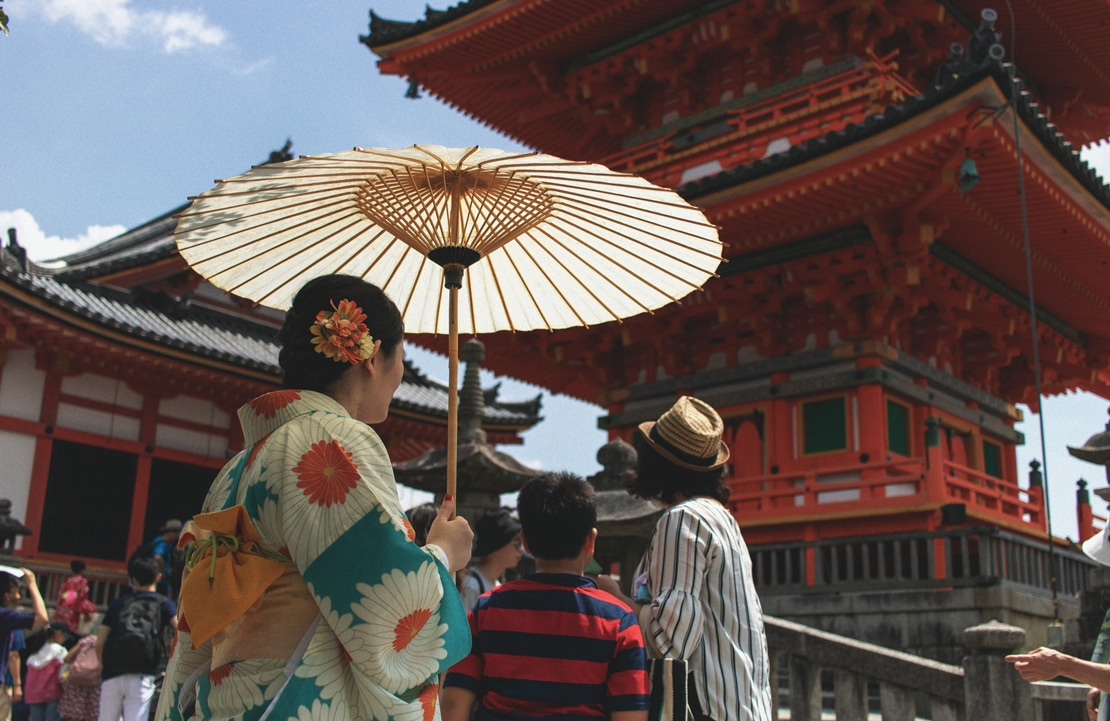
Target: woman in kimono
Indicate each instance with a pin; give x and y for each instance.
(305, 595)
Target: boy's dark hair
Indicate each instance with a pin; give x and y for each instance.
(557, 512)
(77, 565)
(657, 478)
(7, 582)
(143, 570)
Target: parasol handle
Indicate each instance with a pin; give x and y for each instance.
(452, 389)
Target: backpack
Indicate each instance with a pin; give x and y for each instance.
(85, 669)
(134, 644)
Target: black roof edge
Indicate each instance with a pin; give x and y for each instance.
(895, 115)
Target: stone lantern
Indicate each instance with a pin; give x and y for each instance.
(1097, 450)
(483, 473)
(624, 522)
(10, 528)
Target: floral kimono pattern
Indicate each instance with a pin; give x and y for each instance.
(318, 487)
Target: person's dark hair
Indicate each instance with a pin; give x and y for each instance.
(421, 518)
(557, 512)
(76, 565)
(656, 477)
(301, 365)
(7, 582)
(143, 570)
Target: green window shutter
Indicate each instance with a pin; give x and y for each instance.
(825, 425)
(992, 459)
(897, 428)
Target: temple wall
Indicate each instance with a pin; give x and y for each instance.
(18, 452)
(21, 386)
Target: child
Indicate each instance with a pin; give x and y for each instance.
(42, 683)
(552, 643)
(74, 607)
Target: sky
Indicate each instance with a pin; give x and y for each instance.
(116, 111)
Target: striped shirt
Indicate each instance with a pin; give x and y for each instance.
(703, 608)
(553, 646)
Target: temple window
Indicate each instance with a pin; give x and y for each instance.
(824, 425)
(992, 459)
(898, 427)
(88, 501)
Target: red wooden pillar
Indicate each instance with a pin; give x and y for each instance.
(40, 471)
(147, 431)
(872, 414)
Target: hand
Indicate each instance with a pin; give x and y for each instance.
(452, 534)
(1092, 704)
(28, 576)
(609, 585)
(1040, 664)
(17, 694)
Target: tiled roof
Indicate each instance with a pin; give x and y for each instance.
(157, 318)
(149, 242)
(383, 32)
(1028, 110)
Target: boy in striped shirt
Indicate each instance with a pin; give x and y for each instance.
(552, 644)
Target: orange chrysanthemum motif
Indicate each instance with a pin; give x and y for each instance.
(409, 530)
(269, 404)
(427, 697)
(341, 335)
(219, 675)
(407, 628)
(327, 473)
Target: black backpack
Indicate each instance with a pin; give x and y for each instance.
(134, 643)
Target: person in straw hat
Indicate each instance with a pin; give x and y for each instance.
(693, 591)
(1043, 664)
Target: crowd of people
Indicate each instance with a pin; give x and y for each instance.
(308, 592)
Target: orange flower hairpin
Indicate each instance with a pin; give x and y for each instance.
(341, 335)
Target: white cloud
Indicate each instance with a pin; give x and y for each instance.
(113, 23)
(40, 246)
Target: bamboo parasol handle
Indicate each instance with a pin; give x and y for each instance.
(452, 389)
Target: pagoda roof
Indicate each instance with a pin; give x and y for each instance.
(901, 162)
(1030, 112)
(200, 335)
(507, 62)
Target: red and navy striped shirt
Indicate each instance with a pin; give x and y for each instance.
(553, 645)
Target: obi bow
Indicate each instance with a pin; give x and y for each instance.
(227, 571)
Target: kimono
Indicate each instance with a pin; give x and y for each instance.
(73, 604)
(318, 488)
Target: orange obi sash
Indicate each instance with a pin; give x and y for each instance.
(232, 590)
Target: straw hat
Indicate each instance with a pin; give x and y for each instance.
(688, 435)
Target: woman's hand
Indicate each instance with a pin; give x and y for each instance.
(452, 534)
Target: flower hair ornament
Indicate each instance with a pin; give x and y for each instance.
(341, 335)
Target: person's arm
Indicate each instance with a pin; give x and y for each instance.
(101, 639)
(673, 620)
(457, 703)
(15, 668)
(37, 604)
(1043, 664)
(620, 716)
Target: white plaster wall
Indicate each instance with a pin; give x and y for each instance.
(101, 423)
(103, 389)
(196, 410)
(18, 454)
(183, 439)
(21, 386)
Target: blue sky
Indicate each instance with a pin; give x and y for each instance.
(116, 111)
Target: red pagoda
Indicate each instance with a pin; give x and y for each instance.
(870, 332)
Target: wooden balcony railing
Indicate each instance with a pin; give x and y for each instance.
(977, 556)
